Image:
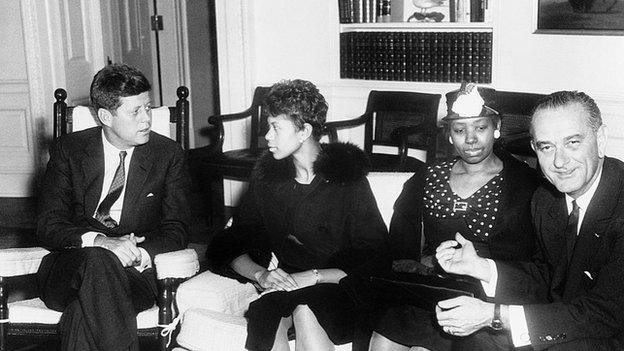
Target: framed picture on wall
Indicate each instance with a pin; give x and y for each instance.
(594, 17)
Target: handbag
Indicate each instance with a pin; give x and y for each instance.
(424, 291)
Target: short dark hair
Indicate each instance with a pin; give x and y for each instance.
(114, 82)
(565, 98)
(301, 101)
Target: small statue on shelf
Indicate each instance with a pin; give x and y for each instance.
(423, 15)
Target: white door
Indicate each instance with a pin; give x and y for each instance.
(43, 48)
(158, 54)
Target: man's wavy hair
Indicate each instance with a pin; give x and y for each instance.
(114, 82)
(565, 98)
(301, 101)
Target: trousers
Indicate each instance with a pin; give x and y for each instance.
(99, 298)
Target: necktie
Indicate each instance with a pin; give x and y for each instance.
(571, 228)
(103, 212)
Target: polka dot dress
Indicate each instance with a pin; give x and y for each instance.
(479, 211)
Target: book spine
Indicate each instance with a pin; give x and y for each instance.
(446, 57)
(486, 57)
(452, 11)
(378, 55)
(435, 75)
(402, 55)
(468, 57)
(343, 55)
(420, 57)
(476, 67)
(463, 10)
(390, 57)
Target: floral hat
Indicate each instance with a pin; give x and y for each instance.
(469, 104)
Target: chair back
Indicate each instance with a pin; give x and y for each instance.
(170, 121)
(258, 121)
(388, 111)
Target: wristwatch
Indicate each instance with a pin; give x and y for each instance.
(497, 323)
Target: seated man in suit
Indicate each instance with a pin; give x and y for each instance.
(112, 198)
(579, 269)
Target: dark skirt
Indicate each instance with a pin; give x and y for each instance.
(332, 307)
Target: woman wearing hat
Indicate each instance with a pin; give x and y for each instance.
(483, 194)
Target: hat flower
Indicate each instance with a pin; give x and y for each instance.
(469, 103)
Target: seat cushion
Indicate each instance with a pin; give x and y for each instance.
(215, 293)
(35, 311)
(203, 330)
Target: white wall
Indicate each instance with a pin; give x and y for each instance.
(300, 39)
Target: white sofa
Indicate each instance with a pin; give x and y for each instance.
(212, 306)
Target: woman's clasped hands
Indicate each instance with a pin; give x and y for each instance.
(278, 280)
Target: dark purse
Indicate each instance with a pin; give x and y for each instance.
(424, 291)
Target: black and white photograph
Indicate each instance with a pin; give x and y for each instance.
(311, 175)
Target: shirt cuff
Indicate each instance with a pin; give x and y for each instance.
(518, 326)
(88, 238)
(490, 287)
(146, 261)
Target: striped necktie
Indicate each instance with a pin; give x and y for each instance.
(103, 212)
(572, 229)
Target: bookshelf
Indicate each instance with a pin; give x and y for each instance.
(413, 51)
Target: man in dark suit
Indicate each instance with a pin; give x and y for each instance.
(112, 198)
(576, 281)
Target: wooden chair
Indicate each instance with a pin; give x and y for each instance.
(64, 121)
(210, 165)
(400, 119)
(237, 164)
(28, 321)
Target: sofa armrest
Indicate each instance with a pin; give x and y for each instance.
(20, 261)
(215, 293)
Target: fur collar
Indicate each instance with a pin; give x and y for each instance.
(337, 163)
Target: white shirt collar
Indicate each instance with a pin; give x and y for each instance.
(110, 149)
(584, 200)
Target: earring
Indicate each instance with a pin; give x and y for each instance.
(496, 134)
(450, 140)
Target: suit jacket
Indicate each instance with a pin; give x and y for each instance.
(155, 204)
(585, 297)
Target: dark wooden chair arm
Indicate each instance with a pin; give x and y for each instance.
(219, 119)
(401, 135)
(331, 128)
(167, 308)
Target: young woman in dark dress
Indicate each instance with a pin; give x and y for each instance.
(484, 194)
(311, 205)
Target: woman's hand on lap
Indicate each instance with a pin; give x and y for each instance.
(277, 280)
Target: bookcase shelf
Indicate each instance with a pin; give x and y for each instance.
(416, 27)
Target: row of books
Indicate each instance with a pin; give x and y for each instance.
(372, 11)
(417, 56)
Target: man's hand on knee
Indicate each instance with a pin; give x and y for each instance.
(124, 247)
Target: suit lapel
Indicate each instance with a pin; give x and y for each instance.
(93, 171)
(595, 222)
(139, 169)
